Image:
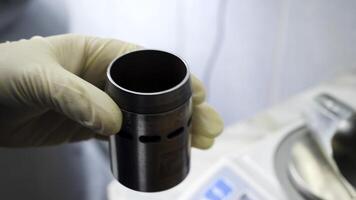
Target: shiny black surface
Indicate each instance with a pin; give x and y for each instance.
(152, 150)
(152, 164)
(149, 81)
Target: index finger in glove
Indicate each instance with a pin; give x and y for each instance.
(87, 56)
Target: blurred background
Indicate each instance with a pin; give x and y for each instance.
(251, 54)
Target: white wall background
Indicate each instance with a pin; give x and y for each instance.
(270, 49)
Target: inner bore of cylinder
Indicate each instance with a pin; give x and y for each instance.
(148, 71)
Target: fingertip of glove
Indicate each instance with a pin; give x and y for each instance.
(112, 123)
(89, 106)
(206, 121)
(219, 124)
(202, 142)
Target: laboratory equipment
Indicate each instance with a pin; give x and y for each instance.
(291, 164)
(152, 150)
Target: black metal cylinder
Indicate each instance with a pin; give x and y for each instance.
(152, 150)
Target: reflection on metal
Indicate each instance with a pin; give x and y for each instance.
(318, 162)
(304, 172)
(336, 135)
(343, 141)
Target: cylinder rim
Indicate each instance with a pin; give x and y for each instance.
(180, 84)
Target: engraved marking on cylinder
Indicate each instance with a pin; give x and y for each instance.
(149, 139)
(176, 133)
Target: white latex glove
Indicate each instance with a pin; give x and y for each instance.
(51, 92)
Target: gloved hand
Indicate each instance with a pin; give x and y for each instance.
(51, 93)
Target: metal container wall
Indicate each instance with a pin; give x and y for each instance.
(152, 150)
